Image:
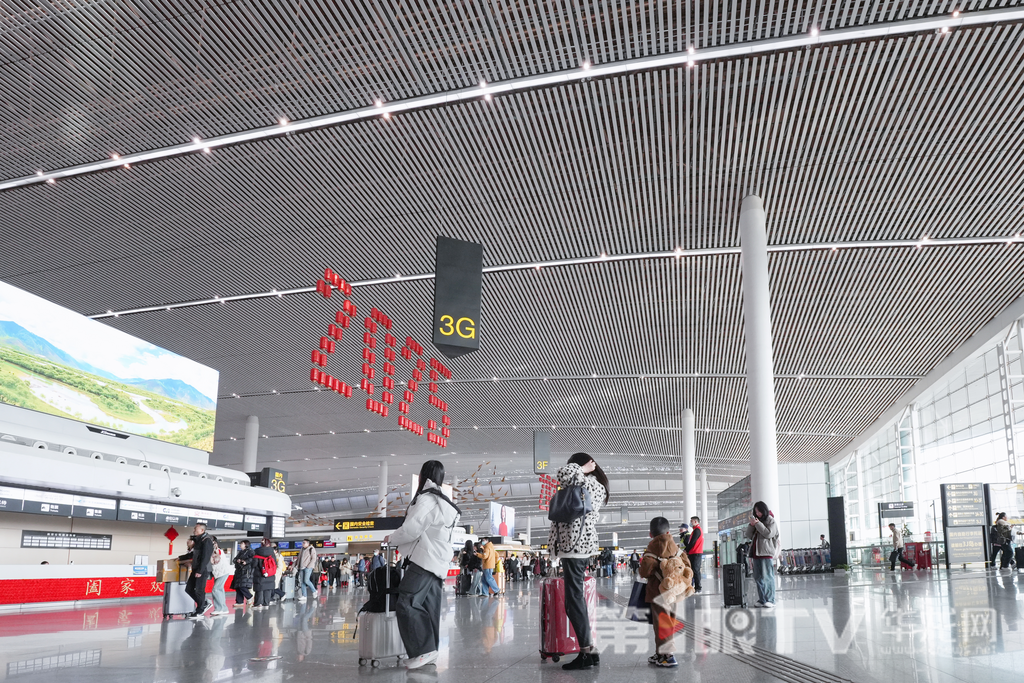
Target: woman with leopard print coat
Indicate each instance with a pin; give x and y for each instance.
(573, 543)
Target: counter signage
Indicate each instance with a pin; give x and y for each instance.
(132, 511)
(196, 516)
(11, 499)
(964, 505)
(255, 523)
(167, 514)
(229, 520)
(88, 507)
(47, 503)
(372, 524)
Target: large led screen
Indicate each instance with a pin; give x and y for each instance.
(59, 362)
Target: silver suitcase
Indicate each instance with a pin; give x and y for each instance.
(176, 600)
(379, 637)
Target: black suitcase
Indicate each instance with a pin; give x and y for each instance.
(462, 583)
(1018, 556)
(732, 585)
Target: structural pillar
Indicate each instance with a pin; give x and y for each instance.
(382, 490)
(252, 436)
(689, 455)
(757, 329)
(529, 530)
(704, 498)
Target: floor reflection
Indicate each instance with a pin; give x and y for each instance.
(924, 627)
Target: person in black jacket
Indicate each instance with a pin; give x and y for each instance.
(202, 568)
(263, 586)
(242, 581)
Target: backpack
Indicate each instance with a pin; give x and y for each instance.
(994, 537)
(377, 583)
(269, 565)
(569, 504)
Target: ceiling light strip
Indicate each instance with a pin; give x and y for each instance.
(561, 263)
(942, 24)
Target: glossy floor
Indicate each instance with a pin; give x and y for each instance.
(867, 626)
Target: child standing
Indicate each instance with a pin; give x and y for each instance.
(655, 566)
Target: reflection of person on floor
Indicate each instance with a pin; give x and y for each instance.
(304, 633)
(488, 629)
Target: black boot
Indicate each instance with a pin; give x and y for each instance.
(585, 660)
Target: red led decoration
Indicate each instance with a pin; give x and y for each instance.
(343, 320)
(445, 432)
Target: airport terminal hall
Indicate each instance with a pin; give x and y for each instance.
(485, 341)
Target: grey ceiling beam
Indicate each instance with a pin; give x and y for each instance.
(587, 70)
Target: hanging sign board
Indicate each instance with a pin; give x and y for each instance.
(458, 287)
(371, 524)
(541, 452)
(964, 505)
(900, 509)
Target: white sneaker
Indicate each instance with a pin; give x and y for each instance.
(769, 605)
(422, 660)
(758, 604)
(301, 598)
(221, 613)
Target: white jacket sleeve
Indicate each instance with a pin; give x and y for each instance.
(418, 517)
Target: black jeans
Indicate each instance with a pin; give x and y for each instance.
(262, 597)
(574, 572)
(196, 590)
(419, 611)
(696, 559)
(1007, 554)
(241, 595)
(897, 554)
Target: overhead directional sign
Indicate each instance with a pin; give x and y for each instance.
(964, 504)
(458, 287)
(371, 524)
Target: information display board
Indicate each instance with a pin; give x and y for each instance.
(168, 514)
(255, 523)
(64, 539)
(371, 524)
(899, 509)
(965, 545)
(48, 503)
(964, 505)
(133, 511)
(11, 499)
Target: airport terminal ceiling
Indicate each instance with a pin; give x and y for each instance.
(891, 172)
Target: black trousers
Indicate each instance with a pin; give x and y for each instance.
(241, 595)
(574, 572)
(696, 560)
(262, 597)
(1007, 554)
(197, 590)
(419, 611)
(897, 554)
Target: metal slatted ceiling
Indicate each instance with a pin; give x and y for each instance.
(883, 140)
(90, 78)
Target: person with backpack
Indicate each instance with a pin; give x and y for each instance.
(763, 531)
(264, 577)
(425, 539)
(308, 564)
(1001, 536)
(662, 565)
(634, 565)
(573, 540)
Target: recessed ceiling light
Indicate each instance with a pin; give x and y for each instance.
(475, 427)
(945, 29)
(39, 173)
(207, 150)
(378, 103)
(586, 65)
(363, 456)
(196, 140)
(387, 115)
(283, 121)
(51, 181)
(814, 30)
(115, 157)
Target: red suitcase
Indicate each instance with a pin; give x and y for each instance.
(557, 637)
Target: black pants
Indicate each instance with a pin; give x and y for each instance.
(196, 590)
(419, 611)
(696, 559)
(241, 595)
(573, 571)
(897, 554)
(262, 597)
(1007, 554)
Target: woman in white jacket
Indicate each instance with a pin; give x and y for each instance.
(425, 540)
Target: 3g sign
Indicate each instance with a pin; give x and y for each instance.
(465, 327)
(458, 286)
(377, 339)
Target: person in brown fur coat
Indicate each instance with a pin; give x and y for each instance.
(669, 579)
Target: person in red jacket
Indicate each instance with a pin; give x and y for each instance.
(695, 550)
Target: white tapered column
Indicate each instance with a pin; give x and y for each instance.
(382, 490)
(704, 498)
(757, 329)
(689, 455)
(252, 440)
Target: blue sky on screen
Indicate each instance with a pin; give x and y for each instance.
(100, 345)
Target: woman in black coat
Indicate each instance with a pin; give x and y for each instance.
(242, 581)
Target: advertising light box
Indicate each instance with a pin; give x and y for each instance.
(55, 361)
